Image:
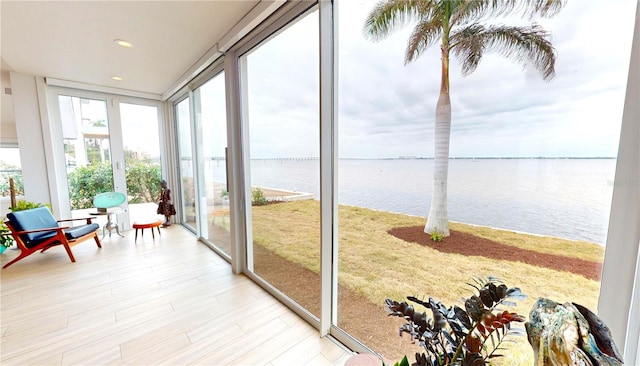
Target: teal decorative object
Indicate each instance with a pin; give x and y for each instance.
(109, 199)
(569, 334)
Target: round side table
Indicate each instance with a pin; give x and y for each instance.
(110, 225)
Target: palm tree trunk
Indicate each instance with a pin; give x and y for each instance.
(438, 219)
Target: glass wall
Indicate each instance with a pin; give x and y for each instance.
(86, 134)
(210, 110)
(10, 167)
(281, 121)
(186, 168)
(141, 158)
(530, 173)
(10, 170)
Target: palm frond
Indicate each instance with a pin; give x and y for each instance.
(544, 8)
(388, 16)
(469, 11)
(525, 45)
(474, 10)
(468, 47)
(424, 35)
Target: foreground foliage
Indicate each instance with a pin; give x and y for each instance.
(85, 182)
(5, 240)
(455, 336)
(257, 197)
(8, 171)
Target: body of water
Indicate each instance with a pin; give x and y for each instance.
(567, 198)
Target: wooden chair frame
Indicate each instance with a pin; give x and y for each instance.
(59, 239)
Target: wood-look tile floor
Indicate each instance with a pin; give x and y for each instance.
(171, 301)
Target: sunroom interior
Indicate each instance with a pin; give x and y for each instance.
(218, 97)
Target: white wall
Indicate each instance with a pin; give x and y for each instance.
(28, 123)
(8, 133)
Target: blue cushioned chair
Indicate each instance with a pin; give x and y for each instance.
(37, 230)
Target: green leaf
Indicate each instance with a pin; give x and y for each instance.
(403, 362)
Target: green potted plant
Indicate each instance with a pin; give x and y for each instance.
(6, 240)
(26, 205)
(455, 336)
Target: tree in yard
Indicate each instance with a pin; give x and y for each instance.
(142, 176)
(459, 27)
(8, 171)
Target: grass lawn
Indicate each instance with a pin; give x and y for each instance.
(377, 265)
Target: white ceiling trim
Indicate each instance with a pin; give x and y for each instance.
(256, 16)
(203, 62)
(102, 89)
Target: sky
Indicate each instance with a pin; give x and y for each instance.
(386, 109)
(138, 122)
(504, 109)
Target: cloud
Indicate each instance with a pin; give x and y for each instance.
(386, 108)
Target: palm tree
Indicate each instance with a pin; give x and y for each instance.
(457, 24)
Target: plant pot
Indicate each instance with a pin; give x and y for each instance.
(2, 249)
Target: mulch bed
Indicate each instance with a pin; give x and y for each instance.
(470, 245)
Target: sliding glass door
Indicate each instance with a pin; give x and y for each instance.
(103, 152)
(211, 147)
(201, 132)
(282, 167)
(86, 132)
(141, 158)
(186, 167)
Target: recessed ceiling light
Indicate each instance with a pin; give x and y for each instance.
(116, 78)
(123, 43)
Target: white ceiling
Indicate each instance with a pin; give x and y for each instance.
(74, 40)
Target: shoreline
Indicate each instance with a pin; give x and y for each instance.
(273, 195)
(450, 158)
(551, 197)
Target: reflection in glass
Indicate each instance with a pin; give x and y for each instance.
(186, 164)
(283, 125)
(85, 133)
(141, 158)
(211, 115)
